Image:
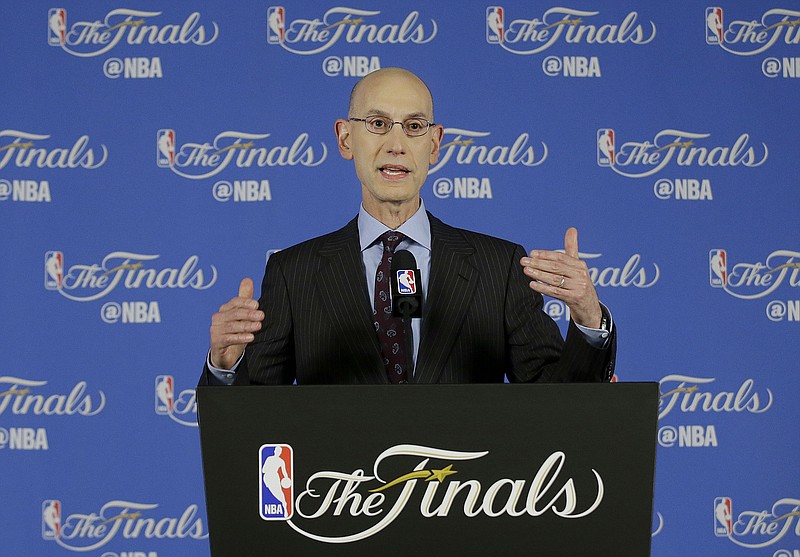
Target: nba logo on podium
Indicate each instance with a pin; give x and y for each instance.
(53, 270)
(276, 470)
(605, 147)
(51, 519)
(406, 283)
(723, 526)
(713, 25)
(494, 25)
(718, 268)
(165, 154)
(57, 27)
(165, 394)
(276, 24)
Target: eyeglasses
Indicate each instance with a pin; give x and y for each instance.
(381, 125)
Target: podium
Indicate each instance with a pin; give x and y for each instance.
(415, 470)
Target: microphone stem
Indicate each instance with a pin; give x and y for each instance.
(409, 348)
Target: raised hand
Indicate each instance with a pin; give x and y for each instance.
(234, 325)
(565, 277)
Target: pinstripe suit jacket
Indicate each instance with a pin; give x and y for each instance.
(481, 320)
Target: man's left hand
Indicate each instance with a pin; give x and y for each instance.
(565, 277)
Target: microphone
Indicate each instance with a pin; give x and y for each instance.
(406, 285)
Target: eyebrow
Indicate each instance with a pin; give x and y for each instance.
(376, 112)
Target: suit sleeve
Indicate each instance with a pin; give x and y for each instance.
(270, 359)
(536, 351)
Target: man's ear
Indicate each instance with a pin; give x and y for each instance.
(437, 134)
(342, 129)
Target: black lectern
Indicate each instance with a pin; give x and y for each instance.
(415, 470)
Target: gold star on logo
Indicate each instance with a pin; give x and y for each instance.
(441, 474)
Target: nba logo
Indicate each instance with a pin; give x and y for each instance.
(605, 147)
(276, 24)
(165, 154)
(276, 473)
(713, 25)
(165, 394)
(51, 519)
(494, 25)
(57, 27)
(406, 283)
(718, 268)
(53, 270)
(723, 526)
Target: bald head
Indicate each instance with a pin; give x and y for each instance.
(385, 77)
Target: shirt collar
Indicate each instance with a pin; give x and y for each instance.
(417, 228)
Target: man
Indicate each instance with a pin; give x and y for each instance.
(320, 317)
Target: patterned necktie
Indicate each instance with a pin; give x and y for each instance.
(391, 334)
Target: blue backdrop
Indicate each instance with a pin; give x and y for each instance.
(154, 153)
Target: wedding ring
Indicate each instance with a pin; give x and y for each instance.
(563, 280)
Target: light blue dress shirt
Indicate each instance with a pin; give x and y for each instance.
(417, 231)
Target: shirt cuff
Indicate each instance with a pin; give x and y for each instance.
(225, 376)
(598, 338)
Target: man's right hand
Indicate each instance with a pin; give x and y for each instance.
(233, 327)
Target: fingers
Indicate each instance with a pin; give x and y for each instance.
(234, 325)
(246, 288)
(235, 319)
(577, 292)
(565, 277)
(543, 265)
(243, 300)
(555, 262)
(571, 242)
(552, 279)
(556, 279)
(552, 290)
(238, 314)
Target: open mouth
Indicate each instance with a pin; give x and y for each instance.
(393, 170)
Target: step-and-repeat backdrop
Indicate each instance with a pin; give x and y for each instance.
(154, 153)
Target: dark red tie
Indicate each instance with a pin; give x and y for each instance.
(391, 334)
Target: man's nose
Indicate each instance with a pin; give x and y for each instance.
(396, 140)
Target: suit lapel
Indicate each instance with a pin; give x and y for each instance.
(452, 284)
(343, 288)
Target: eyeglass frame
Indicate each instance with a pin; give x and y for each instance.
(392, 123)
